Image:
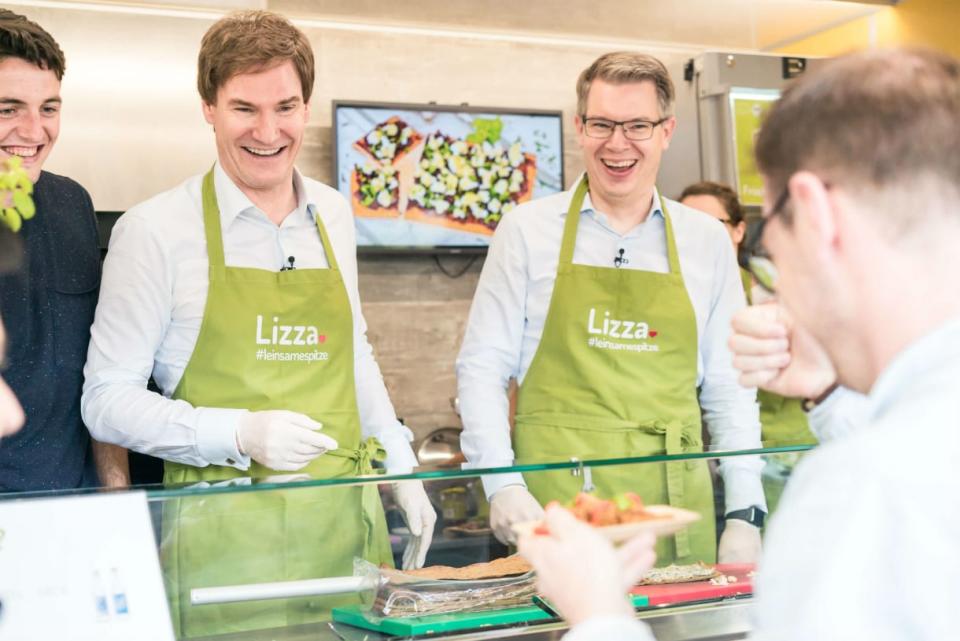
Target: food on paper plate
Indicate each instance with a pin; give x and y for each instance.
(621, 518)
(469, 186)
(623, 508)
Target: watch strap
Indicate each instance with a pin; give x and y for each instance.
(752, 515)
(809, 403)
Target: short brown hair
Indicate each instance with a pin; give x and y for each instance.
(21, 38)
(726, 195)
(622, 67)
(871, 122)
(250, 41)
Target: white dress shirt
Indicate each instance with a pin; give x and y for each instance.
(152, 300)
(864, 544)
(841, 413)
(510, 308)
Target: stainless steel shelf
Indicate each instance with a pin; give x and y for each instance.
(716, 621)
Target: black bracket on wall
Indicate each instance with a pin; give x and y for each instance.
(793, 67)
(688, 70)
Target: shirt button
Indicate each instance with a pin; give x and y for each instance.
(230, 461)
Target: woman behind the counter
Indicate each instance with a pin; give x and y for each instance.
(196, 282)
(782, 420)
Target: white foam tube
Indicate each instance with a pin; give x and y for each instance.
(280, 590)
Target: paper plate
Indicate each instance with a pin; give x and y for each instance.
(670, 520)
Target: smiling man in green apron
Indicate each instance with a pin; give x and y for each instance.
(238, 290)
(611, 307)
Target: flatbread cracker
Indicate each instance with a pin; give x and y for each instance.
(507, 566)
(679, 574)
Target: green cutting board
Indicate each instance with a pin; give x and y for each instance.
(436, 623)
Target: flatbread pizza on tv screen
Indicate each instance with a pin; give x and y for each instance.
(432, 177)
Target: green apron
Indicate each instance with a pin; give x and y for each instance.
(615, 374)
(782, 420)
(240, 362)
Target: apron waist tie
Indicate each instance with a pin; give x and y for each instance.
(363, 456)
(679, 437)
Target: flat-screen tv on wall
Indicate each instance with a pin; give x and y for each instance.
(440, 178)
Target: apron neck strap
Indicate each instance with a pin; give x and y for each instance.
(673, 257)
(324, 238)
(573, 220)
(211, 225)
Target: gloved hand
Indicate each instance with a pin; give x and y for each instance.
(580, 572)
(774, 353)
(420, 517)
(739, 543)
(510, 505)
(282, 440)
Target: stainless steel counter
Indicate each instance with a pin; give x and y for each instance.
(717, 621)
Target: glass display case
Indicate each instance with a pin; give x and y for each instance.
(291, 557)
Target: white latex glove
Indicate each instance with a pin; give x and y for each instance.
(420, 517)
(739, 543)
(774, 353)
(282, 440)
(580, 572)
(510, 505)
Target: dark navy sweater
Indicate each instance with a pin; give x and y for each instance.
(47, 308)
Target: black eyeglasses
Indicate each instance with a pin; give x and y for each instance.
(758, 260)
(632, 129)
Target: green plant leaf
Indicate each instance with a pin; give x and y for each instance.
(486, 129)
(24, 204)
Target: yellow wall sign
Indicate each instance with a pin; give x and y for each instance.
(748, 107)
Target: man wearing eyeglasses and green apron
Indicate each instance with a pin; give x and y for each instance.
(238, 290)
(611, 307)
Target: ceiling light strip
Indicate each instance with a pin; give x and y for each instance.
(389, 29)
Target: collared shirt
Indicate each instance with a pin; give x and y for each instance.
(865, 543)
(152, 301)
(47, 307)
(842, 412)
(510, 308)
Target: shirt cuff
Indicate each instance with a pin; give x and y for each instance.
(217, 437)
(400, 457)
(610, 628)
(493, 483)
(741, 483)
(839, 414)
